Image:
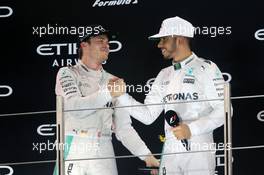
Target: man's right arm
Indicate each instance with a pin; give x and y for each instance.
(148, 112)
(66, 86)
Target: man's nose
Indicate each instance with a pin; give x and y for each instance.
(159, 44)
(106, 44)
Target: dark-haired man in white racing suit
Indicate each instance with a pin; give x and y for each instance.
(194, 87)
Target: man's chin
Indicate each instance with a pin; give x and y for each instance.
(167, 57)
(104, 58)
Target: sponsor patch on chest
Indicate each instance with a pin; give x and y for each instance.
(188, 80)
(165, 82)
(84, 84)
(181, 96)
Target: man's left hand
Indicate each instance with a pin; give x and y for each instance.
(182, 132)
(151, 161)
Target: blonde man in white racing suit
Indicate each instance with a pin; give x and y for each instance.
(88, 132)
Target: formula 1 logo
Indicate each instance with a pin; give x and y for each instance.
(9, 91)
(6, 170)
(260, 116)
(150, 82)
(173, 119)
(5, 11)
(47, 130)
(259, 34)
(100, 3)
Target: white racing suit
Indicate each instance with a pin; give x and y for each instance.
(193, 79)
(88, 132)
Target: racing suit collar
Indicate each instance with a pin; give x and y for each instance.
(181, 64)
(87, 69)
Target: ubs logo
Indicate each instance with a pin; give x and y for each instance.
(47, 130)
(260, 116)
(259, 34)
(6, 170)
(5, 11)
(5, 93)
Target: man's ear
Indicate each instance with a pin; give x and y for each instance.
(180, 40)
(83, 44)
